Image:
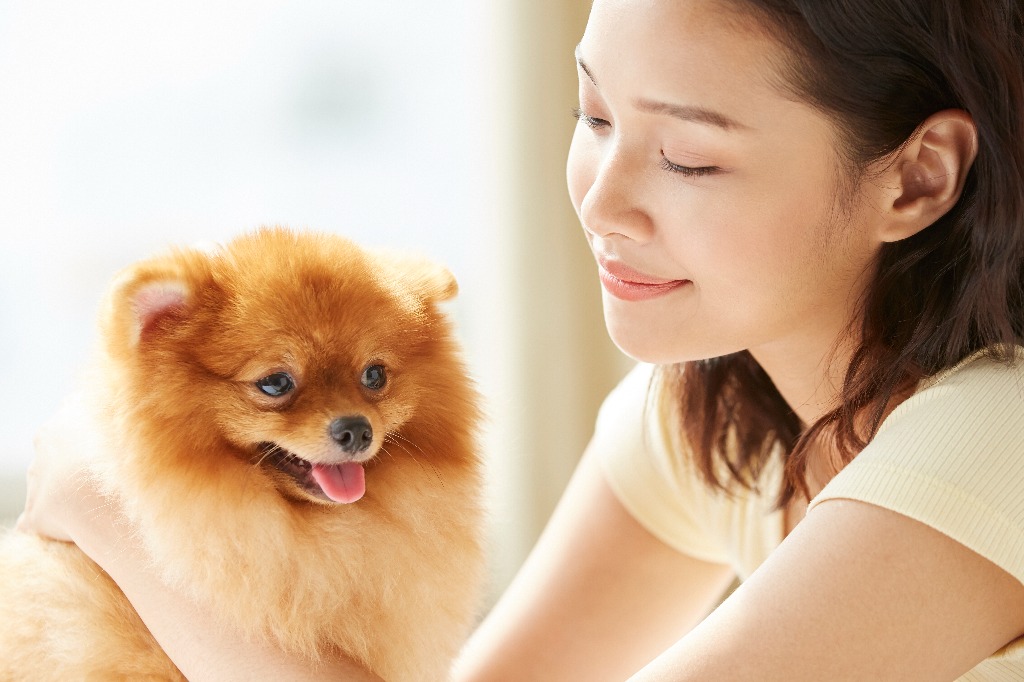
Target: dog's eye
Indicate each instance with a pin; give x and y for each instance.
(374, 377)
(277, 384)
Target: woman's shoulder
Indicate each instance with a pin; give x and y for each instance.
(982, 396)
(952, 457)
(965, 424)
(983, 369)
(646, 466)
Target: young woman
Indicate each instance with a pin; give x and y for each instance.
(808, 219)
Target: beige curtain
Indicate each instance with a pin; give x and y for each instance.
(556, 361)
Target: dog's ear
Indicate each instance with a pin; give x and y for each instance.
(147, 298)
(434, 281)
(155, 301)
(426, 279)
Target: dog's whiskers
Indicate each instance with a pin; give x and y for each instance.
(272, 450)
(268, 452)
(400, 440)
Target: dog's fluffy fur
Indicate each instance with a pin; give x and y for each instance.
(203, 462)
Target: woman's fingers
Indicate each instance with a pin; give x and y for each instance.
(56, 472)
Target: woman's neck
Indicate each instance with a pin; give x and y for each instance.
(808, 373)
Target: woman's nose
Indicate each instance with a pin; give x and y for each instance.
(614, 203)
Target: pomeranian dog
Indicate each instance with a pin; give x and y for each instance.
(292, 433)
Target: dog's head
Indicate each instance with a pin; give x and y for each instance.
(304, 353)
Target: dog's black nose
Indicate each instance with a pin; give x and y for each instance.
(353, 434)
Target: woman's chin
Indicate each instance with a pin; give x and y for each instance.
(662, 344)
(642, 347)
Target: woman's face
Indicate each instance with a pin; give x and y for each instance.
(710, 198)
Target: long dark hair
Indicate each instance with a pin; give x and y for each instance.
(878, 69)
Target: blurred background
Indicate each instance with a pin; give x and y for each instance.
(438, 127)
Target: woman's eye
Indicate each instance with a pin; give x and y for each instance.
(374, 377)
(276, 384)
(588, 121)
(688, 171)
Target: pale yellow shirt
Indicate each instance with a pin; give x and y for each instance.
(950, 456)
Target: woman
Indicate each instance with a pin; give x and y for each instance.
(810, 217)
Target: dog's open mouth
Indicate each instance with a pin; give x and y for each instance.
(342, 483)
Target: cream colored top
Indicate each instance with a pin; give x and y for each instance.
(950, 456)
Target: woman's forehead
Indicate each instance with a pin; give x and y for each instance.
(692, 53)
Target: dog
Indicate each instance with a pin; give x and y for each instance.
(291, 431)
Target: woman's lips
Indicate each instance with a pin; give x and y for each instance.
(627, 284)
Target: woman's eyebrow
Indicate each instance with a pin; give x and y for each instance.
(690, 113)
(583, 65)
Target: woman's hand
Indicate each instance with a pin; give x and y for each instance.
(60, 488)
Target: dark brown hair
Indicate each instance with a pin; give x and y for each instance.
(878, 69)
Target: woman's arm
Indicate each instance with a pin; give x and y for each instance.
(856, 592)
(63, 503)
(598, 598)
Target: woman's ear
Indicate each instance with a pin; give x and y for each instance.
(927, 176)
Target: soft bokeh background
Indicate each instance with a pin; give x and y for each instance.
(440, 127)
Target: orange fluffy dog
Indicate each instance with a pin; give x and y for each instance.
(292, 432)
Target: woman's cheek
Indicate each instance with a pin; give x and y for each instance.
(580, 167)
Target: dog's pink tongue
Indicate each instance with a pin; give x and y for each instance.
(341, 482)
